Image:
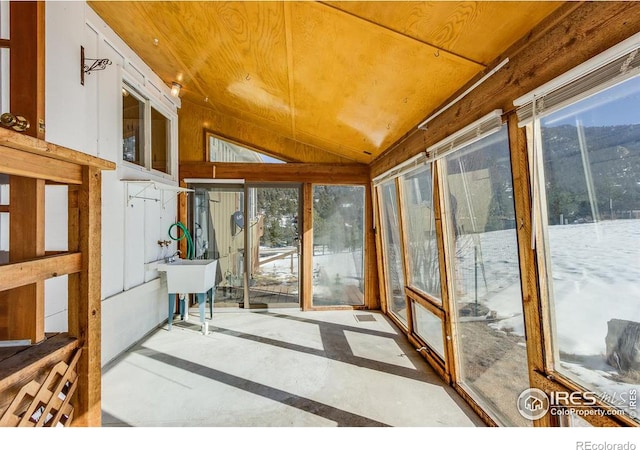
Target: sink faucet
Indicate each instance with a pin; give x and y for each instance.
(172, 258)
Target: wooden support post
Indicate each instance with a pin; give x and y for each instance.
(85, 294)
(380, 254)
(440, 206)
(532, 305)
(307, 247)
(371, 289)
(402, 230)
(25, 304)
(28, 63)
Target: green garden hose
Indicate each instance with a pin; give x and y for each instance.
(185, 233)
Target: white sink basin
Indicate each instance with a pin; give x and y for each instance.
(189, 276)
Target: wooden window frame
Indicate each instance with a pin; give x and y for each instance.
(366, 254)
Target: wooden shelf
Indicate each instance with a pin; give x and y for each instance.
(17, 141)
(29, 272)
(31, 164)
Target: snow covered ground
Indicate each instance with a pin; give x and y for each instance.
(330, 269)
(595, 274)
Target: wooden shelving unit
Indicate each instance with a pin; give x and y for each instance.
(31, 164)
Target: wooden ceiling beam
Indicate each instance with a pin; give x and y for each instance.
(396, 32)
(274, 173)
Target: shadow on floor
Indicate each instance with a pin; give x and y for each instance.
(335, 346)
(342, 418)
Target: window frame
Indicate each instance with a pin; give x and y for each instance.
(544, 254)
(131, 170)
(465, 388)
(385, 285)
(529, 118)
(410, 286)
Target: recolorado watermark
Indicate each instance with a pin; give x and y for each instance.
(534, 404)
(590, 445)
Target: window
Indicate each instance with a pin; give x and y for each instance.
(146, 133)
(429, 327)
(394, 273)
(590, 171)
(133, 108)
(486, 290)
(338, 245)
(219, 150)
(424, 266)
(160, 141)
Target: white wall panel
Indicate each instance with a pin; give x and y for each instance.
(88, 119)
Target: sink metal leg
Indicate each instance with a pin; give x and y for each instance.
(184, 308)
(172, 310)
(201, 302)
(202, 299)
(211, 293)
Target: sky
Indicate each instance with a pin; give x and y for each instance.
(618, 105)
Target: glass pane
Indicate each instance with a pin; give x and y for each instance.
(392, 251)
(591, 157)
(216, 215)
(486, 278)
(429, 327)
(132, 128)
(424, 266)
(273, 240)
(223, 151)
(4, 20)
(160, 142)
(338, 245)
(5, 100)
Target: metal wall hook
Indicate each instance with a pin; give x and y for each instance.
(96, 64)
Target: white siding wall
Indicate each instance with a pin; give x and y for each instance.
(88, 118)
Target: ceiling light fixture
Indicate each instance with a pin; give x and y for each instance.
(175, 89)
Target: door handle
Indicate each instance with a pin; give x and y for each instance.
(18, 123)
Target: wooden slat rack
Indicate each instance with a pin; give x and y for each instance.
(56, 380)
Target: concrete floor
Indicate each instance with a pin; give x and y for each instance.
(280, 368)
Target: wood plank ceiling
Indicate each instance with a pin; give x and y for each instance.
(350, 78)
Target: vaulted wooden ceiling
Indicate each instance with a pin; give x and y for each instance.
(350, 78)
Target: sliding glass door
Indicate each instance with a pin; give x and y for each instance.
(274, 246)
(217, 227)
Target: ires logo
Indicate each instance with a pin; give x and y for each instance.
(534, 403)
(573, 399)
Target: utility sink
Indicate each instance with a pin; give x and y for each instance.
(189, 276)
